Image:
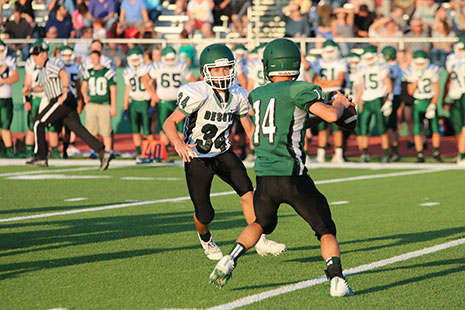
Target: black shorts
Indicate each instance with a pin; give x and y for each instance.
(299, 192)
(199, 176)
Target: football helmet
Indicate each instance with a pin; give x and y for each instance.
(240, 51)
(3, 50)
(353, 59)
(459, 48)
(370, 55)
(214, 56)
(168, 56)
(330, 51)
(389, 53)
(281, 57)
(420, 61)
(38, 45)
(135, 57)
(67, 54)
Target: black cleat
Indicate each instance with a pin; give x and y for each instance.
(37, 162)
(420, 159)
(437, 159)
(105, 160)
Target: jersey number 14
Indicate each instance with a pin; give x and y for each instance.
(267, 126)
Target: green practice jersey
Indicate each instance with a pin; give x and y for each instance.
(99, 82)
(281, 115)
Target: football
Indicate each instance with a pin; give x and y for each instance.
(348, 120)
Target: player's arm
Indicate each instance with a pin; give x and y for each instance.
(127, 89)
(358, 97)
(113, 100)
(79, 96)
(85, 91)
(250, 84)
(145, 80)
(248, 125)
(64, 77)
(184, 150)
(388, 82)
(333, 112)
(242, 80)
(11, 79)
(26, 91)
(434, 100)
(191, 78)
(411, 87)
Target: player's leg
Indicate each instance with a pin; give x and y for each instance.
(322, 141)
(135, 122)
(53, 132)
(381, 128)
(6, 116)
(105, 127)
(364, 120)
(163, 113)
(436, 138)
(419, 110)
(392, 128)
(338, 141)
(31, 115)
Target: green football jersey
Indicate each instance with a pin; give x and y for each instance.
(281, 115)
(99, 82)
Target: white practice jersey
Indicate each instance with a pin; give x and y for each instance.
(372, 77)
(330, 71)
(458, 74)
(74, 71)
(351, 82)
(456, 87)
(133, 77)
(7, 66)
(169, 78)
(32, 69)
(209, 119)
(426, 80)
(255, 72)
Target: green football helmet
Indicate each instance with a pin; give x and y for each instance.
(420, 61)
(214, 56)
(38, 45)
(135, 57)
(3, 50)
(330, 51)
(389, 53)
(370, 55)
(281, 58)
(240, 51)
(353, 59)
(459, 48)
(168, 56)
(67, 54)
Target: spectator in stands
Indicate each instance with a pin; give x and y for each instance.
(181, 7)
(147, 56)
(397, 14)
(325, 19)
(239, 23)
(156, 54)
(343, 27)
(458, 6)
(100, 32)
(200, 13)
(440, 50)
(81, 18)
(363, 20)
(418, 30)
(82, 48)
(186, 51)
(297, 25)
(133, 13)
(103, 9)
(115, 52)
(117, 31)
(153, 9)
(53, 5)
(27, 12)
(62, 21)
(222, 8)
(425, 11)
(385, 27)
(407, 6)
(18, 28)
(305, 5)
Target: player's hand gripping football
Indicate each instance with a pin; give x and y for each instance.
(340, 99)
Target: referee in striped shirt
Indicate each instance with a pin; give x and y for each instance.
(62, 106)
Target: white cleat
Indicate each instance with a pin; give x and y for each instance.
(337, 160)
(210, 248)
(461, 162)
(265, 247)
(340, 288)
(222, 272)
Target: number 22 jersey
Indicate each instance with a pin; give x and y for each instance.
(210, 116)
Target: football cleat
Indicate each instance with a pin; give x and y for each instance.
(37, 163)
(420, 159)
(141, 161)
(394, 158)
(105, 160)
(222, 271)
(338, 159)
(340, 288)
(210, 249)
(437, 159)
(265, 247)
(364, 158)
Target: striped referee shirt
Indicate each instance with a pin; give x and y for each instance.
(49, 78)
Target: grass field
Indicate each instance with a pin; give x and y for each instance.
(77, 238)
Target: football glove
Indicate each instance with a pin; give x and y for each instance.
(430, 111)
(387, 108)
(125, 115)
(150, 111)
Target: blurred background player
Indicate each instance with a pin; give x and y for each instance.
(99, 93)
(8, 76)
(168, 75)
(351, 85)
(423, 79)
(240, 53)
(390, 56)
(329, 74)
(374, 95)
(137, 100)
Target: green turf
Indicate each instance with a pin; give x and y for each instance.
(148, 256)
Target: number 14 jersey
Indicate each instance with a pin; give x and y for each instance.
(210, 116)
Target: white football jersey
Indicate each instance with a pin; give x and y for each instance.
(373, 80)
(351, 82)
(457, 86)
(209, 118)
(132, 77)
(241, 66)
(426, 80)
(31, 68)
(169, 78)
(255, 72)
(330, 71)
(302, 71)
(9, 63)
(104, 61)
(74, 71)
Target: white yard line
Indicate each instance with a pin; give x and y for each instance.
(12, 174)
(141, 203)
(362, 268)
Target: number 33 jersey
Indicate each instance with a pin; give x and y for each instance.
(210, 116)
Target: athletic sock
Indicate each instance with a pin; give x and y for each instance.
(395, 149)
(237, 251)
(29, 150)
(138, 150)
(420, 154)
(385, 152)
(206, 237)
(334, 267)
(9, 151)
(462, 155)
(435, 151)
